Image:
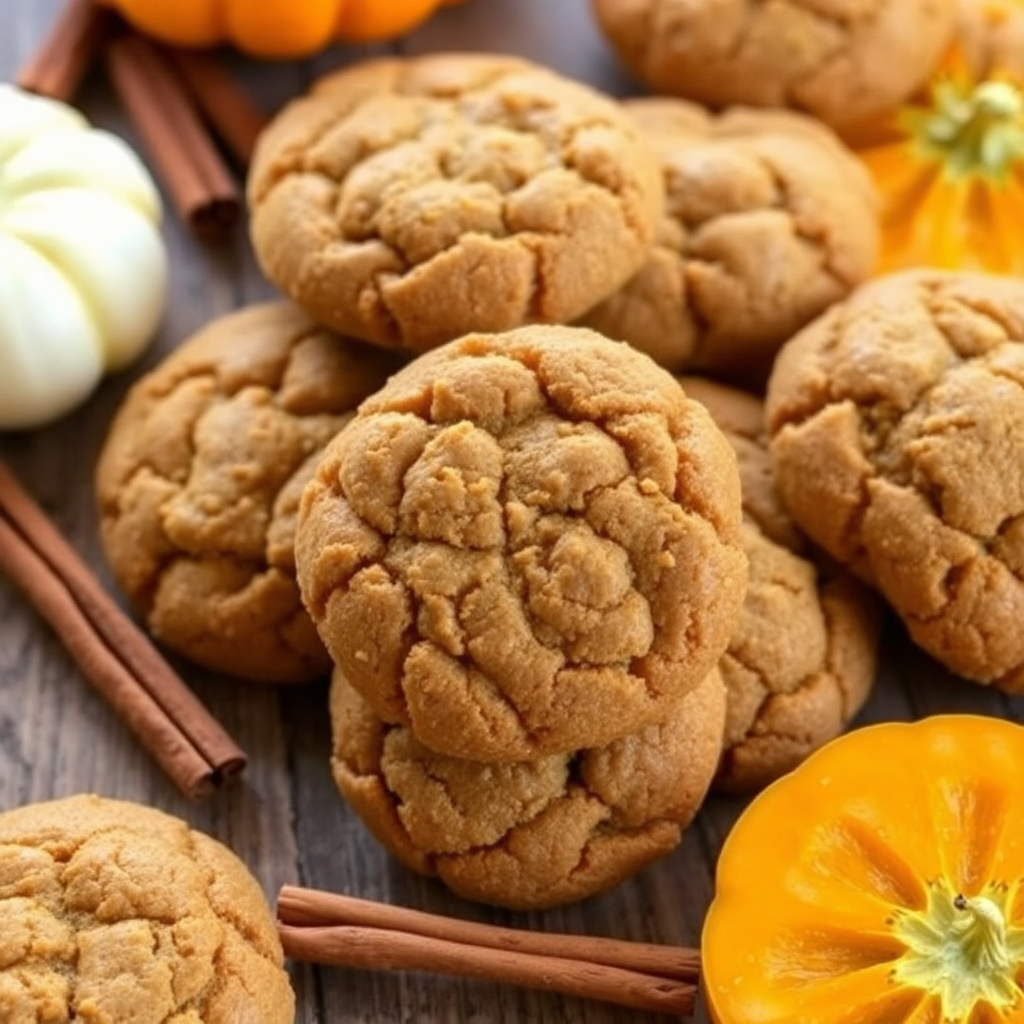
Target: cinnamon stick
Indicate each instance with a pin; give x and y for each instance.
(200, 185)
(67, 51)
(230, 112)
(319, 927)
(313, 907)
(112, 652)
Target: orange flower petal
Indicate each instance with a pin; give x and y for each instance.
(905, 184)
(1000, 225)
(939, 236)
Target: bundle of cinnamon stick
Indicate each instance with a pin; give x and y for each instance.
(332, 928)
(111, 651)
(183, 105)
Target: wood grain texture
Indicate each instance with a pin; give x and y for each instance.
(285, 819)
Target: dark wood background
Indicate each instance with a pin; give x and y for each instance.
(285, 818)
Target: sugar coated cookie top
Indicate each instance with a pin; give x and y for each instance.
(897, 425)
(843, 61)
(199, 481)
(524, 543)
(408, 202)
(769, 219)
(118, 913)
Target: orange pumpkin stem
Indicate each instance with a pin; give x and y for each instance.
(970, 130)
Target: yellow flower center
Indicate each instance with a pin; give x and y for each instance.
(961, 950)
(971, 129)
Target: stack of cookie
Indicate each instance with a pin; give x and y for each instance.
(524, 556)
(402, 204)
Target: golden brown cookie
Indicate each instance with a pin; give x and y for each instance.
(409, 202)
(842, 61)
(525, 543)
(769, 220)
(199, 482)
(529, 834)
(802, 659)
(114, 912)
(897, 439)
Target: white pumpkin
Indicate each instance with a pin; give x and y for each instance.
(83, 267)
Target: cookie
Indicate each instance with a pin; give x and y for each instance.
(842, 61)
(116, 912)
(199, 480)
(525, 543)
(802, 659)
(769, 220)
(897, 440)
(410, 201)
(529, 834)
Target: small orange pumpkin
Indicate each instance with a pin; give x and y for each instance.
(881, 881)
(950, 167)
(275, 28)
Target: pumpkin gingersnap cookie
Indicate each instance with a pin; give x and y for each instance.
(843, 61)
(897, 440)
(802, 659)
(116, 912)
(529, 834)
(769, 219)
(408, 202)
(524, 543)
(199, 482)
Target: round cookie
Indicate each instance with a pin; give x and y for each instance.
(114, 912)
(525, 543)
(769, 219)
(408, 202)
(529, 834)
(897, 440)
(199, 480)
(802, 659)
(842, 61)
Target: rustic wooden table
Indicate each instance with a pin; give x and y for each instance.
(285, 818)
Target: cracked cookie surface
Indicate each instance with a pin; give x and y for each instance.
(529, 834)
(199, 481)
(842, 61)
(525, 543)
(768, 220)
(408, 202)
(897, 440)
(802, 659)
(115, 913)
